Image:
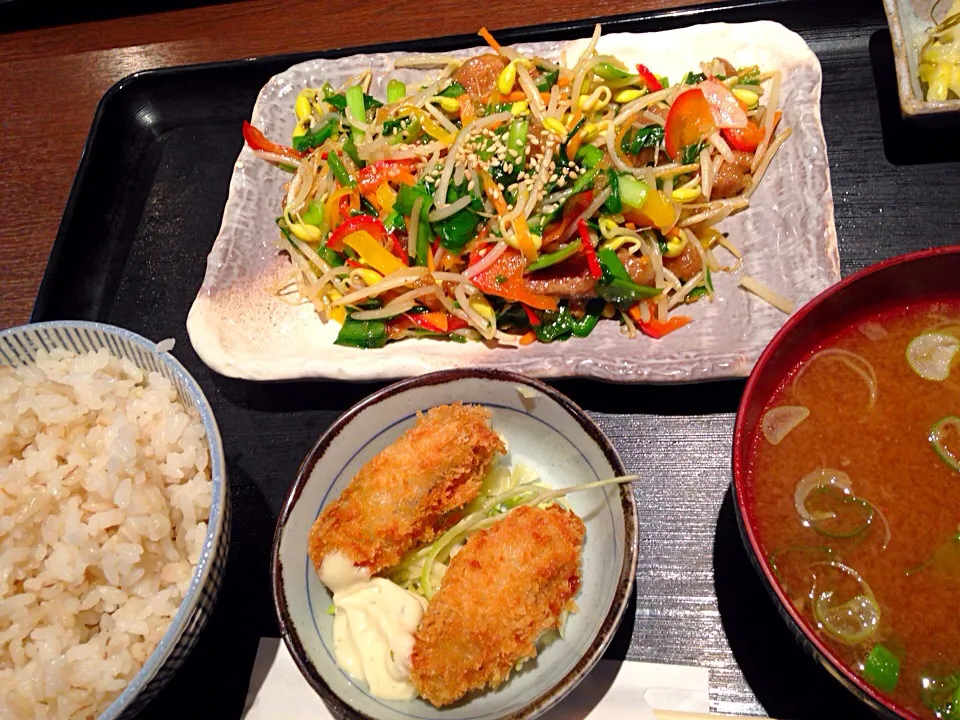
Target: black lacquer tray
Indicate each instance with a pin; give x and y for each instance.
(144, 211)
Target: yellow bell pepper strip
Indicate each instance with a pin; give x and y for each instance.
(258, 141)
(372, 176)
(386, 196)
(505, 279)
(468, 110)
(656, 211)
(371, 225)
(689, 121)
(372, 252)
(331, 209)
(429, 125)
(524, 240)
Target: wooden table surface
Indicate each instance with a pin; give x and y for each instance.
(54, 77)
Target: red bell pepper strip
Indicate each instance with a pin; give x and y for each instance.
(689, 121)
(430, 321)
(367, 223)
(747, 138)
(258, 141)
(435, 322)
(397, 249)
(648, 78)
(372, 176)
(574, 207)
(531, 315)
(592, 263)
(656, 329)
(354, 263)
(505, 279)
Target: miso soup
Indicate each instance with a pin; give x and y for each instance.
(856, 476)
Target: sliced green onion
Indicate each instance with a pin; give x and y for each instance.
(396, 91)
(633, 192)
(945, 438)
(517, 142)
(821, 477)
(852, 514)
(589, 155)
(613, 203)
(356, 110)
(940, 691)
(813, 555)
(313, 215)
(584, 180)
(552, 258)
(608, 71)
(946, 558)
(363, 334)
(339, 170)
(853, 621)
(930, 355)
(882, 669)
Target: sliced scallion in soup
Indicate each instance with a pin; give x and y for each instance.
(856, 474)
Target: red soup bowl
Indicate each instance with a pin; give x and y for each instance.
(922, 276)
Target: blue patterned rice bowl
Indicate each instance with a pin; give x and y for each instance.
(31, 348)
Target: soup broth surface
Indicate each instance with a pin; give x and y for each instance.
(897, 481)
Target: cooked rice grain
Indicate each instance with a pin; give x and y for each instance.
(104, 496)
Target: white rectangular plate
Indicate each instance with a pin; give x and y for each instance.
(787, 235)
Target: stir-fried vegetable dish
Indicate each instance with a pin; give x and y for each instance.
(510, 199)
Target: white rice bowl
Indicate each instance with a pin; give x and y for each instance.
(105, 493)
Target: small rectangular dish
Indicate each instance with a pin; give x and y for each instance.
(909, 21)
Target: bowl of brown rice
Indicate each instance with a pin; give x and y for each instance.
(114, 519)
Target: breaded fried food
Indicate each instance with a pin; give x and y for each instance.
(399, 498)
(506, 587)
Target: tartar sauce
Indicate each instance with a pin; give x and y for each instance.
(373, 627)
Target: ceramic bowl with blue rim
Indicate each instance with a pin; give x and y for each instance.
(543, 429)
(18, 347)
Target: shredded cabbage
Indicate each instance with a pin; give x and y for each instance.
(421, 570)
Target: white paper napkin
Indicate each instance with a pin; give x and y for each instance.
(613, 690)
